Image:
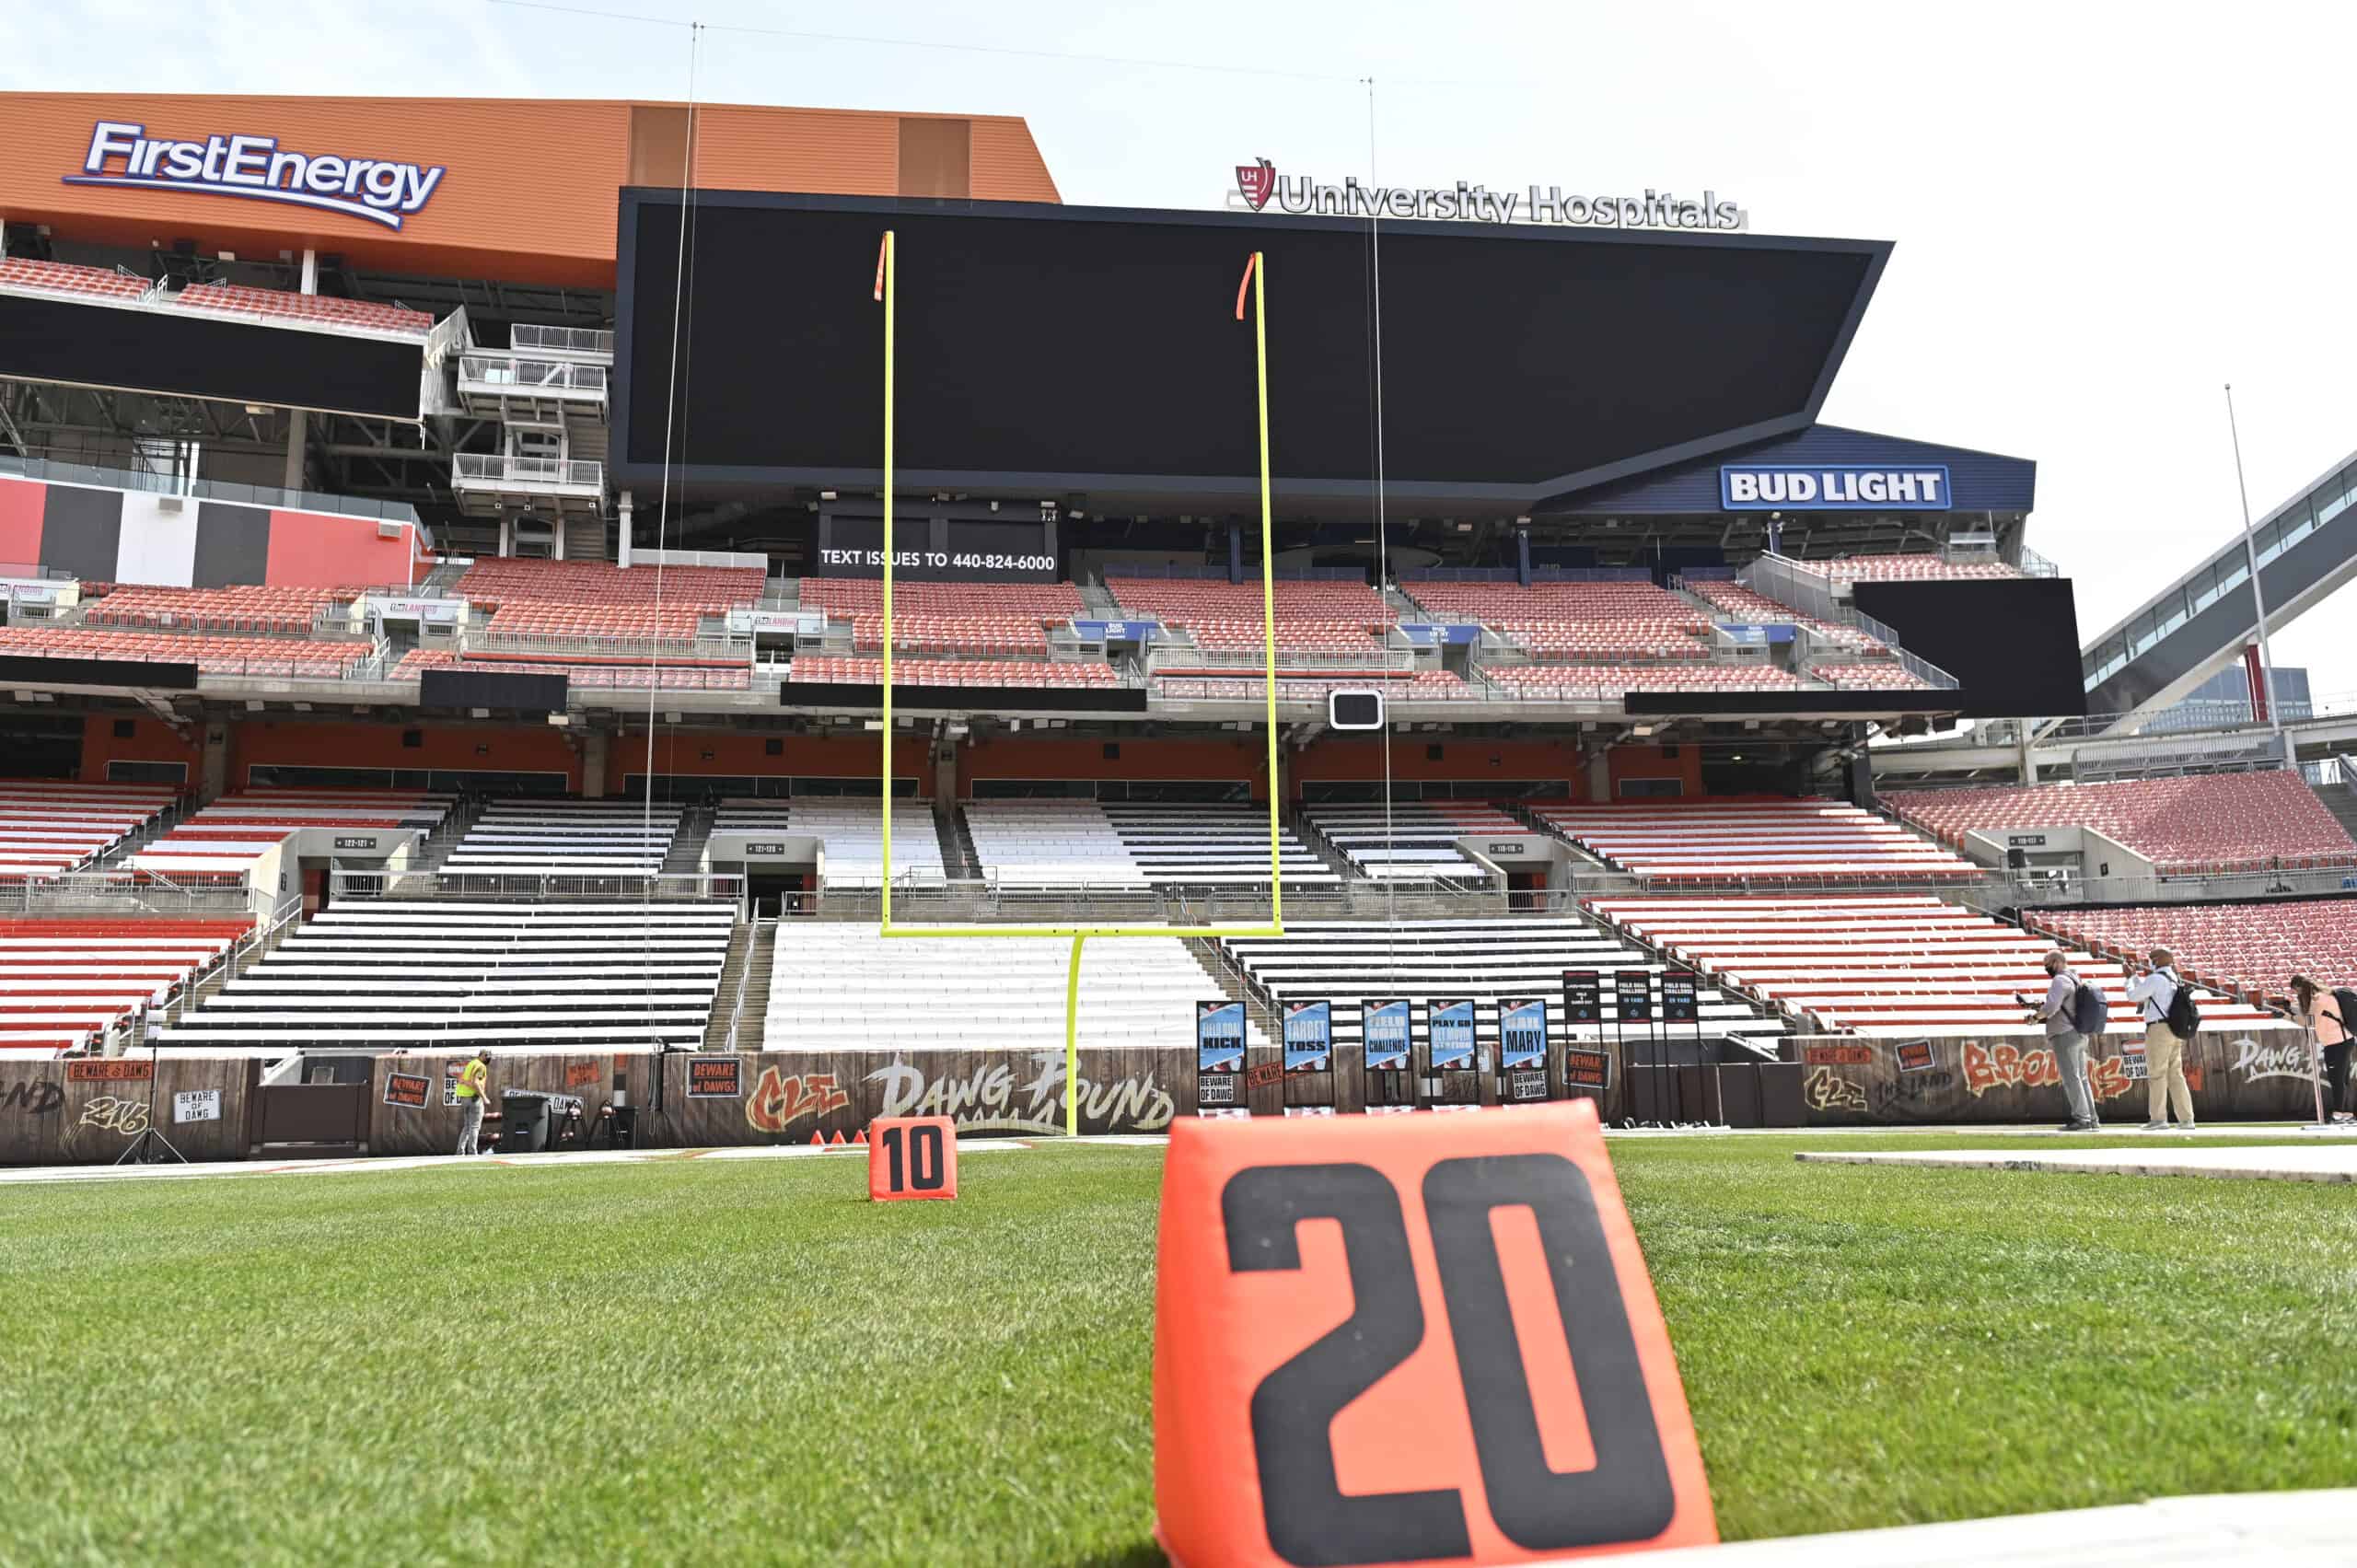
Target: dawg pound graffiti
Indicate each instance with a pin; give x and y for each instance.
(1989, 1067)
(989, 1100)
(2286, 1059)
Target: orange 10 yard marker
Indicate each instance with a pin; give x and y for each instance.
(912, 1156)
(1412, 1339)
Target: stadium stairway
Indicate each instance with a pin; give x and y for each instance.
(209, 984)
(964, 862)
(2340, 800)
(445, 838)
(1298, 822)
(1233, 986)
(1099, 600)
(685, 857)
(752, 951)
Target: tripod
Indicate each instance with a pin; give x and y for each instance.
(151, 1147)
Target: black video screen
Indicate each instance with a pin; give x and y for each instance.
(1046, 341)
(2012, 644)
(185, 352)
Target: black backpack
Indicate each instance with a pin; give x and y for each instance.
(2183, 1017)
(2089, 1011)
(2345, 1003)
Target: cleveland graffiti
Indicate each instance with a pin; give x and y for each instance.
(779, 1099)
(1828, 1090)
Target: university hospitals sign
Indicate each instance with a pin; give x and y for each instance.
(1261, 187)
(379, 190)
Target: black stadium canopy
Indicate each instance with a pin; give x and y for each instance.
(1051, 350)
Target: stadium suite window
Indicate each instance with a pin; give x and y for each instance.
(148, 772)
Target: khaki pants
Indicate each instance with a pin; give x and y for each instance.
(2164, 1075)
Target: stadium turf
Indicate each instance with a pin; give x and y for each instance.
(726, 1359)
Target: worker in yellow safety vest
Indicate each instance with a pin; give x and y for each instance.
(475, 1084)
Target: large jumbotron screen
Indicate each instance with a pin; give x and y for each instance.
(1048, 349)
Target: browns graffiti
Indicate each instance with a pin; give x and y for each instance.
(778, 1100)
(1989, 1067)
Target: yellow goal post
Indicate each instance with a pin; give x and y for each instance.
(1254, 284)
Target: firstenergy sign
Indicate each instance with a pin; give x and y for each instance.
(379, 190)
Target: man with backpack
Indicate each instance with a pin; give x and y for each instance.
(2073, 1013)
(2170, 1019)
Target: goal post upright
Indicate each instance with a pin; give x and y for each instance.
(1255, 285)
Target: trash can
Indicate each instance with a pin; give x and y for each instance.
(524, 1122)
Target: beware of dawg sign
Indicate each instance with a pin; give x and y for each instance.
(408, 1090)
(715, 1077)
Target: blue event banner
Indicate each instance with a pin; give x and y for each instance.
(1310, 1037)
(1219, 1037)
(1834, 487)
(1386, 1034)
(1452, 1031)
(1522, 1032)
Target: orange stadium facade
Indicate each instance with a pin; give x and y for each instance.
(518, 190)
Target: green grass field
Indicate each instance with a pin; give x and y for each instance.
(728, 1359)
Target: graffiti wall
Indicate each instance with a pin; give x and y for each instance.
(2235, 1074)
(88, 1112)
(711, 1099)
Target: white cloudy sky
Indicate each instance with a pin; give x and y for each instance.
(2103, 214)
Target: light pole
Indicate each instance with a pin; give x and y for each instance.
(2263, 691)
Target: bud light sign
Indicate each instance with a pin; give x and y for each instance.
(1840, 487)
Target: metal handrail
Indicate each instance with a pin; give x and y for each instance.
(531, 374)
(744, 975)
(52, 470)
(499, 467)
(567, 340)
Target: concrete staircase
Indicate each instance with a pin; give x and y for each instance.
(958, 848)
(1100, 602)
(1230, 985)
(1409, 610)
(443, 578)
(685, 857)
(2340, 800)
(751, 950)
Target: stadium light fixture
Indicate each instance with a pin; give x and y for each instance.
(1252, 288)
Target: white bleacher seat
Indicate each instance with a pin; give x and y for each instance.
(1884, 965)
(1348, 962)
(1137, 844)
(1420, 842)
(421, 976)
(529, 837)
(851, 830)
(844, 987)
(1737, 840)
